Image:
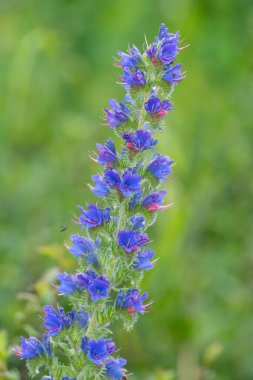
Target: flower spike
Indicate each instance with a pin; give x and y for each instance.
(111, 252)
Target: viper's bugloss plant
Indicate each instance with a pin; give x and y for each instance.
(111, 252)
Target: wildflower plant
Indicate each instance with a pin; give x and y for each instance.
(111, 250)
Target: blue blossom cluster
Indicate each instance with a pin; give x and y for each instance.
(111, 253)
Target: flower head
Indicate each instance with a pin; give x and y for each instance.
(68, 283)
(173, 74)
(131, 59)
(99, 288)
(85, 279)
(94, 216)
(131, 240)
(168, 52)
(137, 221)
(106, 153)
(130, 182)
(101, 187)
(127, 185)
(143, 260)
(155, 107)
(132, 301)
(139, 140)
(84, 247)
(54, 322)
(154, 201)
(98, 350)
(133, 77)
(160, 167)
(114, 368)
(29, 348)
(118, 113)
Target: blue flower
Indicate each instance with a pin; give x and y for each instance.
(173, 74)
(54, 322)
(138, 221)
(98, 350)
(140, 140)
(154, 201)
(29, 348)
(155, 107)
(85, 279)
(168, 52)
(101, 188)
(133, 77)
(163, 32)
(131, 59)
(94, 217)
(68, 283)
(81, 246)
(167, 37)
(132, 301)
(160, 167)
(114, 368)
(82, 318)
(107, 153)
(130, 182)
(84, 247)
(99, 288)
(131, 240)
(118, 113)
(143, 258)
(151, 52)
(112, 178)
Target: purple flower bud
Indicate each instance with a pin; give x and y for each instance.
(160, 167)
(94, 217)
(118, 113)
(114, 368)
(143, 260)
(163, 31)
(131, 240)
(151, 52)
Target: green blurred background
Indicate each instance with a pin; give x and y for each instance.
(56, 74)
